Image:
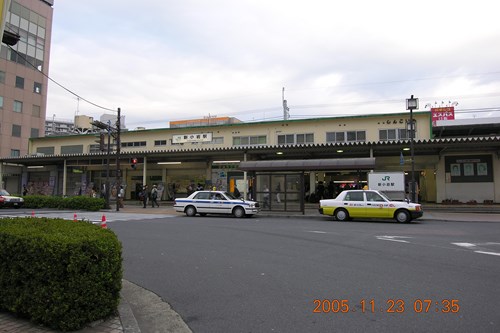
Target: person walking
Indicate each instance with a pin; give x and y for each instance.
(145, 195)
(121, 195)
(154, 197)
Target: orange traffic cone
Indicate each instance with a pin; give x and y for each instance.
(103, 222)
(74, 217)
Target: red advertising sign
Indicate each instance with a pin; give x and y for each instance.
(445, 113)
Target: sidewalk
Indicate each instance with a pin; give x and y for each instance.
(155, 315)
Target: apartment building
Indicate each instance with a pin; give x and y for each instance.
(23, 75)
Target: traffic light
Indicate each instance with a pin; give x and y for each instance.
(134, 163)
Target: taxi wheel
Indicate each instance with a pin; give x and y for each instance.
(341, 215)
(190, 211)
(238, 212)
(402, 216)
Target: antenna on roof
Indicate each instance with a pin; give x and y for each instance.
(286, 109)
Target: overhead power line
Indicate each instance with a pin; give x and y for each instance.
(60, 85)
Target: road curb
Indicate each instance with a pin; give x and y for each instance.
(127, 318)
(143, 308)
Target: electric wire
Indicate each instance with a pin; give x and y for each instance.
(60, 85)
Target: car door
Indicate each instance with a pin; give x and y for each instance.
(219, 204)
(376, 205)
(354, 202)
(202, 202)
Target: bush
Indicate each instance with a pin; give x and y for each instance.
(59, 273)
(76, 202)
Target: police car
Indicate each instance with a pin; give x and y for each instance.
(215, 202)
(369, 204)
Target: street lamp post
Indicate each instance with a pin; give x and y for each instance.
(412, 104)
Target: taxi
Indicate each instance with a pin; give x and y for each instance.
(7, 200)
(352, 204)
(215, 202)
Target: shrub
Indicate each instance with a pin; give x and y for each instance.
(76, 202)
(59, 273)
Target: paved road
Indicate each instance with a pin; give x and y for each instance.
(265, 274)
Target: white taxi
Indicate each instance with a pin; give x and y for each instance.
(369, 204)
(7, 200)
(215, 202)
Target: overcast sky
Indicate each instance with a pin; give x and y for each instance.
(168, 60)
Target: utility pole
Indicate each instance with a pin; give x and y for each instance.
(286, 109)
(118, 172)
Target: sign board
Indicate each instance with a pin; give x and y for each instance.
(387, 181)
(445, 113)
(193, 137)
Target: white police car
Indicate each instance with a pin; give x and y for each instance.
(215, 202)
(369, 204)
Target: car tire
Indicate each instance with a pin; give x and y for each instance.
(402, 216)
(190, 211)
(341, 215)
(238, 212)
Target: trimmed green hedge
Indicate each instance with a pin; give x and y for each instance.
(79, 202)
(59, 273)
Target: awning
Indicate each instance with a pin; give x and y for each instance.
(309, 165)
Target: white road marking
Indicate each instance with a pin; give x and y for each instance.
(317, 232)
(472, 246)
(467, 245)
(491, 253)
(393, 238)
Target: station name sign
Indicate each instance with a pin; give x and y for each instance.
(193, 137)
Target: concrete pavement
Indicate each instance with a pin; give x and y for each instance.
(143, 311)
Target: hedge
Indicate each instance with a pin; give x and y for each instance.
(59, 273)
(77, 202)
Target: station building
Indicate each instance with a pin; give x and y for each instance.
(291, 159)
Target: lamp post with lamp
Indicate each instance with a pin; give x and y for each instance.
(412, 104)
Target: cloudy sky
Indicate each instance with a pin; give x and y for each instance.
(165, 60)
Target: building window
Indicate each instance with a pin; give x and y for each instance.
(349, 136)
(249, 140)
(334, 137)
(393, 134)
(305, 138)
(160, 142)
(356, 136)
(215, 141)
(19, 82)
(35, 133)
(18, 106)
(2, 77)
(73, 149)
(37, 88)
(15, 153)
(36, 110)
(45, 150)
(292, 139)
(134, 144)
(16, 130)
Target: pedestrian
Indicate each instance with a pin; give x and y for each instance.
(25, 190)
(154, 197)
(278, 190)
(145, 195)
(121, 195)
(236, 192)
(266, 197)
